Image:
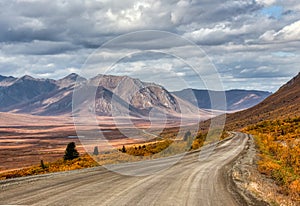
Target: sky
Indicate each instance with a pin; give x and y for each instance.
(246, 44)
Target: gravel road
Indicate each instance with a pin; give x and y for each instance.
(196, 179)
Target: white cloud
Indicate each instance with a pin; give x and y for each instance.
(266, 2)
(288, 33)
(268, 36)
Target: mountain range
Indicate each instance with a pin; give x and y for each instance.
(54, 97)
(130, 96)
(235, 99)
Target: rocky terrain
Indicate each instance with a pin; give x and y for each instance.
(119, 94)
(115, 95)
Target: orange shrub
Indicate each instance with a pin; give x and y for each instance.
(278, 143)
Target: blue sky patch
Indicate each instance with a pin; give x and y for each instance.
(273, 11)
(283, 54)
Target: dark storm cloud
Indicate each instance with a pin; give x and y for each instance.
(87, 23)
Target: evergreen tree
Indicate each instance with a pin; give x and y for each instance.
(43, 165)
(123, 149)
(187, 136)
(71, 152)
(96, 151)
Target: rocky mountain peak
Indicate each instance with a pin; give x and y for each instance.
(26, 77)
(72, 76)
(70, 80)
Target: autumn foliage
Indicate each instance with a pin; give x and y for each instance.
(279, 146)
(84, 161)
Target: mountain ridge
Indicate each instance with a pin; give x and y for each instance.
(284, 103)
(236, 99)
(54, 97)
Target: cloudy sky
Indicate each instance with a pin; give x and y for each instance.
(250, 44)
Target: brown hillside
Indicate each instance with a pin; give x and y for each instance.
(284, 103)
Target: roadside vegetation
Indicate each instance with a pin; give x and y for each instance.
(148, 149)
(203, 138)
(127, 153)
(278, 143)
(84, 161)
(70, 161)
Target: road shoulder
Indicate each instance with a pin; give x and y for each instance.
(238, 176)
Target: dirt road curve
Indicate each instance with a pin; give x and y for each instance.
(194, 180)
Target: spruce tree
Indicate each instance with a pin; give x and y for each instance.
(71, 152)
(96, 151)
(123, 149)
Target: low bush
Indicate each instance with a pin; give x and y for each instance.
(278, 143)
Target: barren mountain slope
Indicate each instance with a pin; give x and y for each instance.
(282, 104)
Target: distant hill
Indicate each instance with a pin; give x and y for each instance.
(282, 104)
(235, 99)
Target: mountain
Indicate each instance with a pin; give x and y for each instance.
(282, 104)
(5, 81)
(235, 99)
(134, 97)
(70, 80)
(4, 78)
(16, 91)
(140, 94)
(114, 95)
